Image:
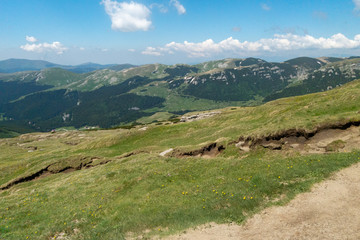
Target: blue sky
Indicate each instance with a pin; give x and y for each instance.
(177, 31)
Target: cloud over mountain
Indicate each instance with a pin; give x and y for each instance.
(128, 16)
(280, 42)
(31, 46)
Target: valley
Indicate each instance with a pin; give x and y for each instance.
(55, 97)
(161, 178)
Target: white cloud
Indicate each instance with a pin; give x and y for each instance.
(179, 7)
(31, 39)
(265, 7)
(357, 5)
(131, 50)
(128, 17)
(280, 42)
(56, 47)
(152, 51)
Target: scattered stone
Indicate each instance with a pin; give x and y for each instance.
(32, 148)
(162, 154)
(272, 145)
(337, 137)
(243, 146)
(61, 235)
(295, 145)
(198, 116)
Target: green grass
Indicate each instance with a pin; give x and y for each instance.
(160, 194)
(159, 116)
(177, 102)
(152, 195)
(9, 129)
(2, 118)
(58, 77)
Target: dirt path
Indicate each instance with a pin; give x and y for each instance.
(330, 211)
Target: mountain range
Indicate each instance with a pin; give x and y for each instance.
(19, 65)
(48, 96)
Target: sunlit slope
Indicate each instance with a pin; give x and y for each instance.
(303, 112)
(54, 97)
(76, 184)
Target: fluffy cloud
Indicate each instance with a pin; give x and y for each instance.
(179, 7)
(56, 47)
(128, 17)
(280, 42)
(152, 51)
(31, 39)
(357, 5)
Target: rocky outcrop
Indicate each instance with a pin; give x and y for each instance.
(198, 116)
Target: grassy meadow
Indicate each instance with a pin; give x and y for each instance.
(139, 193)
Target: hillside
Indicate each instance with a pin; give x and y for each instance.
(21, 65)
(165, 177)
(55, 97)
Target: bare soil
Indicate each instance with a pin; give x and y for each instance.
(209, 151)
(334, 138)
(62, 166)
(331, 210)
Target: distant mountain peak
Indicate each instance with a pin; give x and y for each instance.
(19, 65)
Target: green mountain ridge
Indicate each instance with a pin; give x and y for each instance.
(19, 65)
(107, 97)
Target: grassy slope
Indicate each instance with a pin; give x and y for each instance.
(175, 102)
(164, 195)
(108, 77)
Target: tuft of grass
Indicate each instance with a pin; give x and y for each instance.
(335, 146)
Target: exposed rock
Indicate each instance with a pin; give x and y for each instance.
(162, 154)
(209, 151)
(62, 166)
(272, 145)
(198, 116)
(243, 146)
(325, 138)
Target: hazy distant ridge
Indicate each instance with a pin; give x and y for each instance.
(19, 65)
